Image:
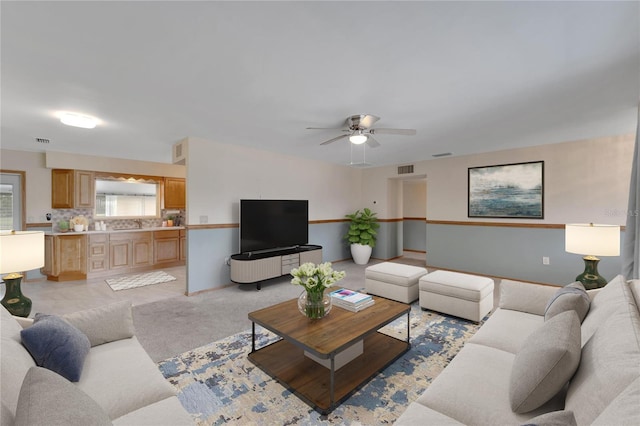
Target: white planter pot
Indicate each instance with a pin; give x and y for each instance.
(360, 253)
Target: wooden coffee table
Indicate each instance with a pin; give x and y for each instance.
(322, 387)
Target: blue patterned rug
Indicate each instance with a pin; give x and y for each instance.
(218, 385)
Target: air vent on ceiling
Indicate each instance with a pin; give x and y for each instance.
(444, 154)
(403, 170)
(43, 140)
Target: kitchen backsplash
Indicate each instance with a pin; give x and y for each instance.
(58, 215)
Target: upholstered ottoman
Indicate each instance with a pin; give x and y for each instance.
(462, 295)
(393, 281)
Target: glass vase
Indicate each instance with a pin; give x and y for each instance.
(314, 304)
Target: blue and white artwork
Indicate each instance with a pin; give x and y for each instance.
(507, 191)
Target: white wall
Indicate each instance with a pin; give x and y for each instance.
(584, 181)
(37, 167)
(414, 198)
(219, 175)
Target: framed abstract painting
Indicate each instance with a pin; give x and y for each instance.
(513, 191)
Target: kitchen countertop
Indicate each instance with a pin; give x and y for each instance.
(114, 231)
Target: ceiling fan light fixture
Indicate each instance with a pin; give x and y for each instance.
(78, 120)
(358, 139)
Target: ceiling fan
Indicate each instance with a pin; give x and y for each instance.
(358, 129)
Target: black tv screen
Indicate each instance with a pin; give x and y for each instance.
(273, 224)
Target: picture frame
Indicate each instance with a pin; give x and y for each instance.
(511, 191)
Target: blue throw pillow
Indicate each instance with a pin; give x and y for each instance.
(56, 345)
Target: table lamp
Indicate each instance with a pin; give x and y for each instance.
(19, 251)
(592, 240)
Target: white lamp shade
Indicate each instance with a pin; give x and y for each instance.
(592, 239)
(21, 251)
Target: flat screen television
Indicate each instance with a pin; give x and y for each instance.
(273, 224)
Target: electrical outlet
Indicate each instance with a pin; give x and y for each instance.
(227, 261)
(545, 260)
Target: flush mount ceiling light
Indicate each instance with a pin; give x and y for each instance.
(358, 138)
(78, 120)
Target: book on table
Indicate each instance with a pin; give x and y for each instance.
(351, 300)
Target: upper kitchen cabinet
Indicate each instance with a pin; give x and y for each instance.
(174, 193)
(72, 189)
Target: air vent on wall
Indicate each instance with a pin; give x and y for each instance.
(43, 140)
(403, 170)
(444, 154)
(180, 152)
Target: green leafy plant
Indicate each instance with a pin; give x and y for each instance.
(363, 228)
(63, 226)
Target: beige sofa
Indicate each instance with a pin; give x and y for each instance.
(480, 384)
(119, 383)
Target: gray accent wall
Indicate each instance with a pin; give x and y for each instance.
(209, 248)
(512, 252)
(414, 234)
(389, 241)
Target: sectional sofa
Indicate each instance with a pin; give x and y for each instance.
(97, 373)
(544, 357)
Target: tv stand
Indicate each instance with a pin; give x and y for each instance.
(255, 267)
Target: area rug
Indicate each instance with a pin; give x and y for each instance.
(139, 280)
(217, 383)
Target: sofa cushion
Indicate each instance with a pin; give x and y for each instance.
(525, 297)
(169, 411)
(48, 399)
(602, 306)
(610, 359)
(57, 345)
(570, 297)
(14, 364)
(474, 389)
(554, 418)
(546, 361)
(624, 409)
(119, 365)
(507, 330)
(104, 324)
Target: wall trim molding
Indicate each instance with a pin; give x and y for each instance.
(414, 218)
(503, 224)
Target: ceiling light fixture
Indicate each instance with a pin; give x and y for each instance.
(78, 120)
(358, 138)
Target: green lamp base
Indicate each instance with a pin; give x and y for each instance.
(16, 303)
(590, 278)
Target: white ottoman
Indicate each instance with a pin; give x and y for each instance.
(462, 295)
(394, 281)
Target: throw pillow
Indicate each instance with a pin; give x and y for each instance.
(572, 296)
(553, 418)
(57, 345)
(104, 324)
(547, 359)
(47, 399)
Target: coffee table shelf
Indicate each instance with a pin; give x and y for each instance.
(320, 387)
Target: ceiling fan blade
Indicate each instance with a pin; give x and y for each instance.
(408, 132)
(368, 120)
(372, 142)
(337, 138)
(328, 128)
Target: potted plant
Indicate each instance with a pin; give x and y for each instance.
(63, 226)
(362, 234)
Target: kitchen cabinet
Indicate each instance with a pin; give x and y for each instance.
(130, 251)
(72, 189)
(75, 256)
(98, 253)
(183, 245)
(174, 193)
(166, 247)
(65, 257)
